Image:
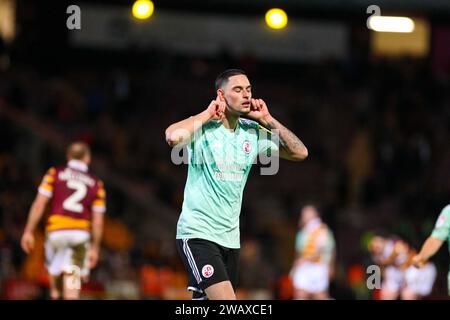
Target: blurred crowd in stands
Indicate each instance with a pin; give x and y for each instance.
(378, 134)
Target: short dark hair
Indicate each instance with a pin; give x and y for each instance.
(78, 150)
(223, 78)
(315, 204)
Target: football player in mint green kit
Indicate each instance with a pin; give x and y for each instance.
(440, 234)
(222, 147)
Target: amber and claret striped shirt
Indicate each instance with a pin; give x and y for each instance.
(315, 242)
(75, 194)
(396, 252)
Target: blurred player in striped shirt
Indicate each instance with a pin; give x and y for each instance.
(315, 256)
(74, 225)
(400, 277)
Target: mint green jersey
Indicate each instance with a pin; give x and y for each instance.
(442, 228)
(219, 163)
(442, 231)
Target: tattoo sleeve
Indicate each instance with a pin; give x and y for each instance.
(289, 141)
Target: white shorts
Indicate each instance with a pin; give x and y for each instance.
(393, 279)
(311, 277)
(66, 251)
(421, 280)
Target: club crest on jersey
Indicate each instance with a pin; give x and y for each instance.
(246, 146)
(207, 270)
(440, 222)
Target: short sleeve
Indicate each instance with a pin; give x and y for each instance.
(298, 241)
(194, 147)
(268, 143)
(48, 182)
(442, 227)
(99, 204)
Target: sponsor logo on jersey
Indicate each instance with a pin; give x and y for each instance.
(440, 222)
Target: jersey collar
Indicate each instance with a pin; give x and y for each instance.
(78, 165)
(314, 223)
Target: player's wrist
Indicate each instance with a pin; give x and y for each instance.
(206, 116)
(28, 231)
(266, 120)
(419, 259)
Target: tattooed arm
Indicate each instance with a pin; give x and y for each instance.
(291, 147)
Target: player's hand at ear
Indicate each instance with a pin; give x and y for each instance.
(258, 109)
(254, 105)
(216, 109)
(222, 106)
(27, 242)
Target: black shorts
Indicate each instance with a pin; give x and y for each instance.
(208, 263)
